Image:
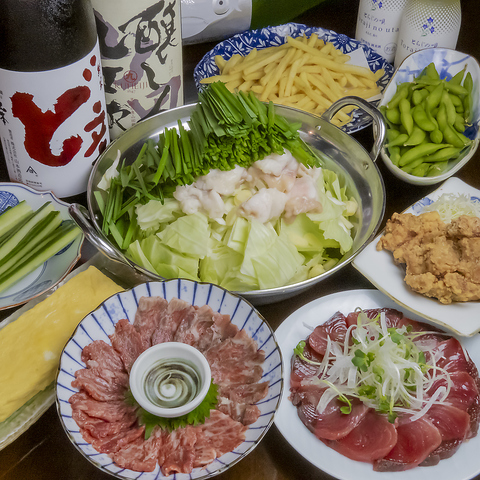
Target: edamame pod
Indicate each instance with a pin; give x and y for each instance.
(431, 71)
(421, 119)
(417, 136)
(393, 115)
(458, 77)
(447, 153)
(437, 169)
(449, 107)
(453, 137)
(436, 136)
(411, 166)
(459, 123)
(406, 115)
(402, 92)
(394, 154)
(398, 140)
(421, 170)
(433, 100)
(420, 151)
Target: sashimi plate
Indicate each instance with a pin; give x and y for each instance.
(101, 323)
(461, 318)
(244, 43)
(56, 268)
(463, 465)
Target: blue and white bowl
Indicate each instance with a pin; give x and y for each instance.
(447, 62)
(55, 269)
(99, 324)
(244, 43)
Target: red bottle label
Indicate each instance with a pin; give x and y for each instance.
(53, 124)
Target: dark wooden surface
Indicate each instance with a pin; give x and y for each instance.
(44, 451)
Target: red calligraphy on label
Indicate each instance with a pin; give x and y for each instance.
(41, 126)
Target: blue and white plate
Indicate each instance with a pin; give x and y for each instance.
(101, 323)
(261, 38)
(54, 269)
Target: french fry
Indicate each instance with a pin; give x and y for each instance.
(305, 72)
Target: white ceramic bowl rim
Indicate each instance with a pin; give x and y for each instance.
(169, 350)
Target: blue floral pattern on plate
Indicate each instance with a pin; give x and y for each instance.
(243, 43)
(99, 324)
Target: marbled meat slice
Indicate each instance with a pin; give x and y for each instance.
(102, 384)
(102, 355)
(110, 411)
(177, 310)
(179, 451)
(415, 442)
(150, 315)
(237, 401)
(142, 455)
(128, 342)
(373, 438)
(235, 360)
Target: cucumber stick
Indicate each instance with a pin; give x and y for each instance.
(49, 246)
(40, 231)
(9, 241)
(13, 215)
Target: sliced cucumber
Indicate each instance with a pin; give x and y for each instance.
(13, 215)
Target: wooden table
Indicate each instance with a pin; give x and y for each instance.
(44, 451)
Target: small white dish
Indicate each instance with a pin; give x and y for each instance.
(447, 62)
(54, 269)
(462, 318)
(463, 465)
(154, 388)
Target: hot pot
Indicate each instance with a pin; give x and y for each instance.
(343, 154)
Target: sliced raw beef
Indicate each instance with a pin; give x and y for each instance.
(128, 343)
(102, 384)
(179, 451)
(237, 401)
(452, 422)
(111, 411)
(415, 442)
(102, 355)
(177, 310)
(373, 438)
(334, 329)
(235, 360)
(150, 314)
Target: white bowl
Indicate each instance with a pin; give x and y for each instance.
(447, 62)
(146, 366)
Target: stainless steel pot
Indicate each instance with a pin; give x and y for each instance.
(345, 155)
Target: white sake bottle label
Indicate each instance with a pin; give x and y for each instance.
(53, 125)
(141, 47)
(378, 23)
(428, 24)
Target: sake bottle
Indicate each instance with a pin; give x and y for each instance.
(428, 24)
(52, 102)
(378, 23)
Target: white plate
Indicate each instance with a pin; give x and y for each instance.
(465, 464)
(462, 318)
(54, 269)
(101, 323)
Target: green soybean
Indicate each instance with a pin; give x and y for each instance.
(437, 169)
(419, 151)
(447, 153)
(436, 136)
(421, 170)
(417, 136)
(406, 114)
(421, 119)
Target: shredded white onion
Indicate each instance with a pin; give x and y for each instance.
(451, 206)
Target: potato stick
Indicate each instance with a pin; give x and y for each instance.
(273, 98)
(254, 76)
(368, 82)
(378, 74)
(323, 87)
(279, 71)
(334, 87)
(259, 63)
(353, 80)
(340, 67)
(304, 102)
(220, 62)
(258, 89)
(327, 49)
(231, 62)
(268, 75)
(222, 78)
(245, 86)
(292, 98)
(293, 72)
(232, 85)
(283, 82)
(363, 92)
(312, 40)
(342, 81)
(315, 95)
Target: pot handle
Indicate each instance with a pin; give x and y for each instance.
(82, 218)
(379, 127)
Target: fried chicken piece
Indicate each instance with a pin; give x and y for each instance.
(442, 261)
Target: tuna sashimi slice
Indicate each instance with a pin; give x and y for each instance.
(373, 438)
(415, 441)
